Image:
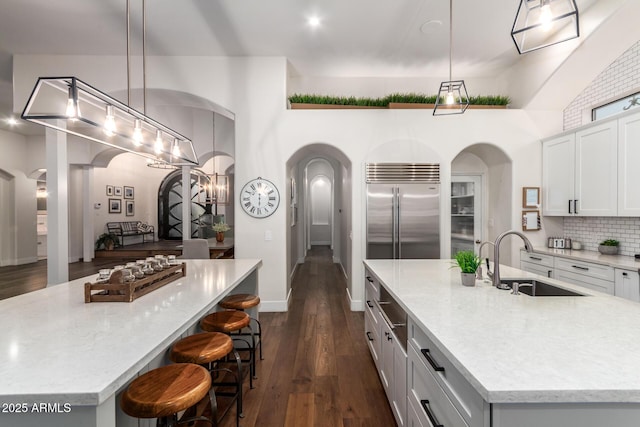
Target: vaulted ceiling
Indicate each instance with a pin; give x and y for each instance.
(354, 38)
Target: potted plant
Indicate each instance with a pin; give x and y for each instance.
(220, 228)
(108, 241)
(608, 247)
(468, 262)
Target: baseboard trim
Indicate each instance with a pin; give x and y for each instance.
(293, 272)
(321, 243)
(274, 306)
(19, 261)
(356, 305)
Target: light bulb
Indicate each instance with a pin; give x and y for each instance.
(137, 132)
(73, 111)
(176, 148)
(545, 15)
(109, 121)
(159, 146)
(450, 99)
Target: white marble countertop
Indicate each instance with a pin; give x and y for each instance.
(55, 347)
(615, 261)
(520, 348)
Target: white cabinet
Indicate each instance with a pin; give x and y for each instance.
(537, 263)
(393, 372)
(592, 276)
(628, 170)
(372, 319)
(627, 284)
(558, 175)
(580, 172)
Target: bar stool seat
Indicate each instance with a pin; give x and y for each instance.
(166, 391)
(225, 321)
(209, 348)
(239, 301)
(233, 322)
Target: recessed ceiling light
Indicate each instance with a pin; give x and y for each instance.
(431, 26)
(313, 21)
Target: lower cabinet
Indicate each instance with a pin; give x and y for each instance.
(393, 373)
(627, 284)
(592, 276)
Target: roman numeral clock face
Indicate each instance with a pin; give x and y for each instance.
(259, 198)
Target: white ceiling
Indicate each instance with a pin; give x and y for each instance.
(356, 38)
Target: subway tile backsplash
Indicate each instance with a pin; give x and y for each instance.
(590, 231)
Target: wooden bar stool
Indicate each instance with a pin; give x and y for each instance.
(232, 323)
(164, 392)
(243, 302)
(209, 348)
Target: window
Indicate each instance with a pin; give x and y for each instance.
(614, 107)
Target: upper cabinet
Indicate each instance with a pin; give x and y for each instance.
(587, 172)
(628, 169)
(580, 172)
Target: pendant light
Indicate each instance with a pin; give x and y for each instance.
(214, 187)
(72, 106)
(452, 97)
(542, 23)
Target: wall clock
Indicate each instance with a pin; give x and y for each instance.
(259, 198)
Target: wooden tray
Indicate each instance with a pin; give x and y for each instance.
(113, 291)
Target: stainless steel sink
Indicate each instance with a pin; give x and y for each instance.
(536, 288)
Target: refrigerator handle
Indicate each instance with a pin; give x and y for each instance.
(394, 221)
(398, 239)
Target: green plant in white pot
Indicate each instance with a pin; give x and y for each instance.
(608, 247)
(468, 262)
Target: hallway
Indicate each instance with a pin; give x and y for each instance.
(317, 370)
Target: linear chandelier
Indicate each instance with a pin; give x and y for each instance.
(542, 23)
(452, 96)
(70, 105)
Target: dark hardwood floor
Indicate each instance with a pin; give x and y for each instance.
(317, 370)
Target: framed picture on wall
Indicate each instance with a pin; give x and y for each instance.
(128, 192)
(115, 206)
(129, 208)
(109, 190)
(117, 191)
(530, 197)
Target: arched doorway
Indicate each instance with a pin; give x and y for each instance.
(170, 205)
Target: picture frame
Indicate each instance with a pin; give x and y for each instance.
(109, 190)
(530, 197)
(531, 221)
(115, 206)
(129, 208)
(117, 191)
(128, 192)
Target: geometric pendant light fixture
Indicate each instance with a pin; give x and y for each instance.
(70, 105)
(452, 96)
(542, 23)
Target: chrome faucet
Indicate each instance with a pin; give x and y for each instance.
(489, 273)
(496, 255)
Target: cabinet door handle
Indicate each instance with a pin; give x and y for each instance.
(575, 206)
(580, 268)
(369, 304)
(549, 273)
(369, 336)
(434, 365)
(624, 274)
(369, 279)
(535, 258)
(427, 410)
(569, 206)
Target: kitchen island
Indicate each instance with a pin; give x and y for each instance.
(65, 361)
(522, 361)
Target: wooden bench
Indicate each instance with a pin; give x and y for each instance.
(131, 228)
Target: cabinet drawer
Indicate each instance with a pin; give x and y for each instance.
(535, 258)
(416, 417)
(588, 282)
(427, 397)
(541, 270)
(464, 397)
(372, 335)
(596, 271)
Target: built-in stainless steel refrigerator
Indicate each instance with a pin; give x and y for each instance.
(403, 211)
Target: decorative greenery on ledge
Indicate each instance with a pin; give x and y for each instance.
(399, 98)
